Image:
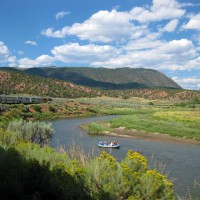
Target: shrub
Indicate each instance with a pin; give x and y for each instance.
(4, 108)
(36, 132)
(105, 178)
(52, 108)
(151, 103)
(125, 97)
(37, 108)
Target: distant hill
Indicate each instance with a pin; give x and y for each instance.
(15, 82)
(120, 78)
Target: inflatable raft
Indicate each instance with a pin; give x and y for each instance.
(111, 145)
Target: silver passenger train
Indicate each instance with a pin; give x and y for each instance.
(24, 100)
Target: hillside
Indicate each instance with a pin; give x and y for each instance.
(13, 82)
(16, 82)
(120, 78)
(174, 95)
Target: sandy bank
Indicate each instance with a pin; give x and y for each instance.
(122, 132)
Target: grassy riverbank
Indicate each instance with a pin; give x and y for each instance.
(174, 119)
(183, 124)
(174, 123)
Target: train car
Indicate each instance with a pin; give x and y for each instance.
(8, 100)
(23, 100)
(36, 100)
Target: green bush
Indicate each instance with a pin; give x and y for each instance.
(151, 103)
(36, 132)
(105, 178)
(37, 108)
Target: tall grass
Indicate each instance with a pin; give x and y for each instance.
(97, 129)
(77, 152)
(173, 123)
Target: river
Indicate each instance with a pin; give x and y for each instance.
(181, 162)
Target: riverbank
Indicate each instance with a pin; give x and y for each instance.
(135, 134)
(156, 125)
(45, 111)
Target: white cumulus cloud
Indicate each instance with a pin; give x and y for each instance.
(194, 23)
(3, 49)
(104, 26)
(160, 10)
(142, 44)
(41, 61)
(56, 34)
(188, 82)
(172, 55)
(108, 26)
(183, 47)
(73, 52)
(5, 56)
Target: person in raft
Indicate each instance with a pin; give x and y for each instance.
(113, 143)
(105, 142)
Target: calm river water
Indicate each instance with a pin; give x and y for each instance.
(181, 162)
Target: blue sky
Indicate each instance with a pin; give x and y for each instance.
(158, 34)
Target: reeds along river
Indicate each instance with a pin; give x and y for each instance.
(181, 162)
